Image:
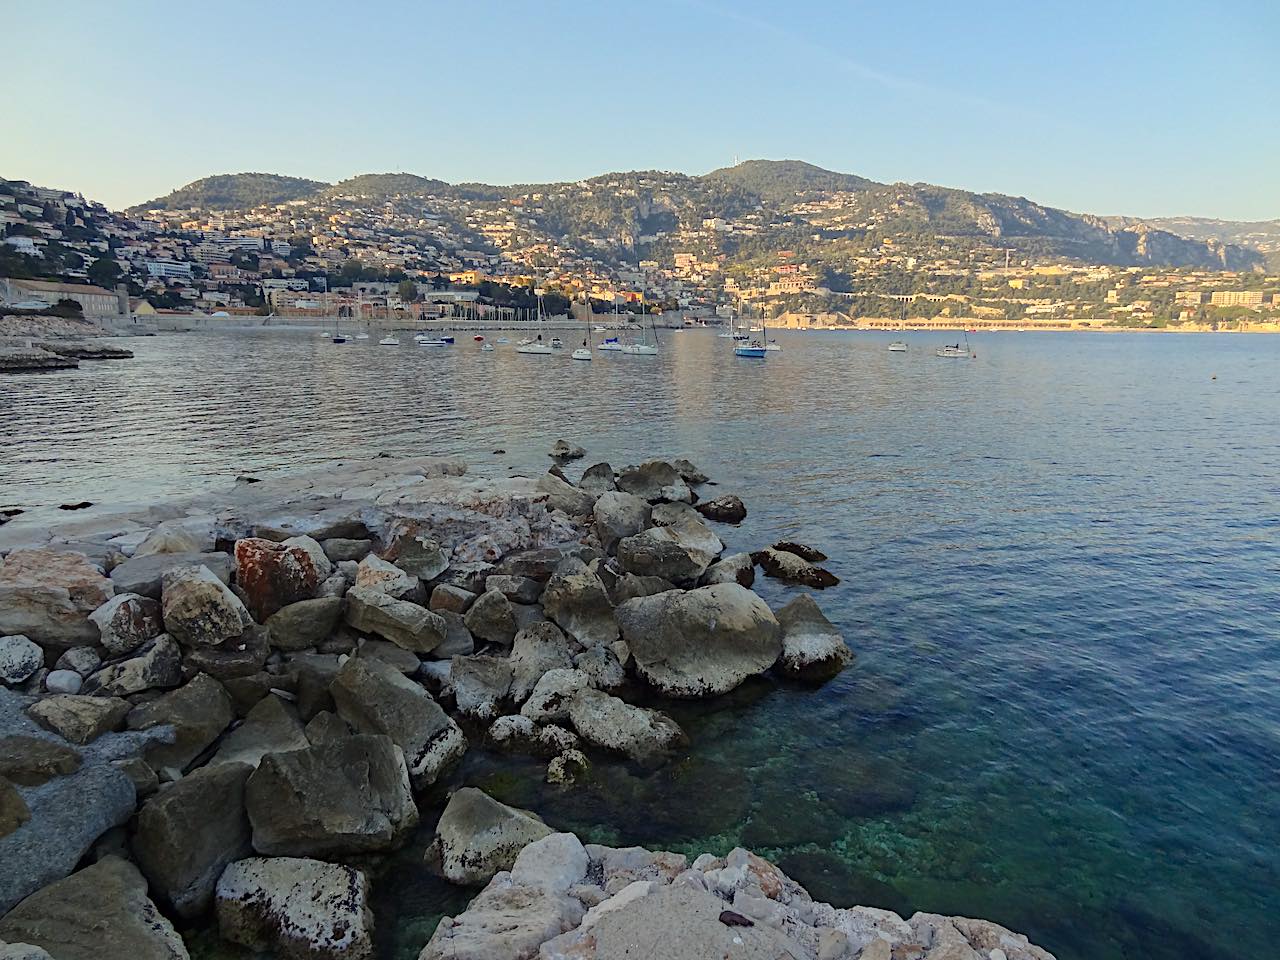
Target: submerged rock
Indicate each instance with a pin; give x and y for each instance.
(701, 643)
(564, 450)
(477, 836)
(727, 508)
(297, 908)
(792, 568)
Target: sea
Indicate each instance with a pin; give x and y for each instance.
(1060, 575)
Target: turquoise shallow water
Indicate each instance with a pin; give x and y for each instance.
(1059, 568)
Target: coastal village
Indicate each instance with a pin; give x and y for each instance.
(399, 257)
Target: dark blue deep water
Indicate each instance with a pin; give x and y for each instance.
(1061, 576)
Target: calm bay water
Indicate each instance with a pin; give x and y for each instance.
(1059, 563)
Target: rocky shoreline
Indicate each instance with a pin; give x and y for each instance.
(229, 708)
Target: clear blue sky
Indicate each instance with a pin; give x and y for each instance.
(1143, 107)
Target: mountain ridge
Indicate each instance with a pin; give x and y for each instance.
(774, 189)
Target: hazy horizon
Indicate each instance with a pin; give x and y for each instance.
(1153, 110)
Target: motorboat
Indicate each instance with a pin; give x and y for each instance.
(362, 336)
(503, 340)
(898, 346)
(447, 339)
(557, 343)
(582, 353)
(478, 339)
(610, 343)
(487, 348)
(389, 342)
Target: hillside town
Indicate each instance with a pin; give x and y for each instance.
(831, 259)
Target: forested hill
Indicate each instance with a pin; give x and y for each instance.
(234, 191)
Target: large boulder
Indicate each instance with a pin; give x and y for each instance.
(47, 595)
(700, 643)
(273, 575)
(538, 648)
(98, 912)
(812, 647)
(375, 573)
(334, 798)
(376, 698)
(403, 623)
(598, 479)
(19, 659)
(492, 619)
(564, 496)
(477, 836)
(792, 568)
(620, 515)
(727, 508)
(157, 666)
(692, 536)
(613, 724)
(304, 624)
(189, 832)
(658, 556)
(79, 719)
(198, 712)
(736, 568)
(579, 604)
(271, 726)
(126, 622)
(295, 908)
(145, 575)
(200, 610)
(550, 698)
(655, 481)
(410, 545)
(480, 684)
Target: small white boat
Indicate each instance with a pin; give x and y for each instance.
(598, 329)
(954, 351)
(756, 329)
(898, 346)
(556, 343)
(503, 340)
(487, 348)
(640, 349)
(362, 336)
(533, 347)
(387, 341)
(582, 353)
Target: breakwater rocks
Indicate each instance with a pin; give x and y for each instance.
(226, 711)
(24, 355)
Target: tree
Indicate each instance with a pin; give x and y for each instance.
(408, 291)
(104, 272)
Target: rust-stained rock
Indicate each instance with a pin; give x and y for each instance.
(273, 575)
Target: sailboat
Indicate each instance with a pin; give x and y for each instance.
(388, 341)
(584, 352)
(537, 346)
(955, 351)
(756, 349)
(643, 348)
(338, 335)
(900, 346)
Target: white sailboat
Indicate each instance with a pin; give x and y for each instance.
(388, 341)
(642, 348)
(537, 346)
(955, 351)
(584, 352)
